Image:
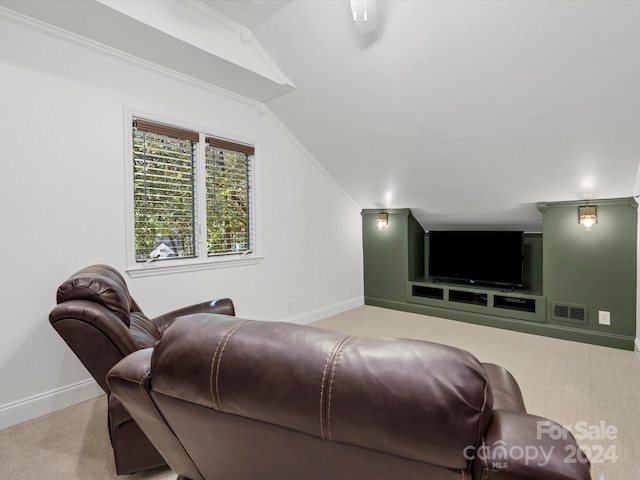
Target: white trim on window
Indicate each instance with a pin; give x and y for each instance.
(201, 261)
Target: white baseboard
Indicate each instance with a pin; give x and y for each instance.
(637, 344)
(324, 312)
(47, 402)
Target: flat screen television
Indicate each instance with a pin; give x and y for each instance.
(477, 257)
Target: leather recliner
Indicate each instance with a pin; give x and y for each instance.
(97, 317)
(230, 399)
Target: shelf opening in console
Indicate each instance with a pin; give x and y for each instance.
(427, 292)
(515, 303)
(473, 298)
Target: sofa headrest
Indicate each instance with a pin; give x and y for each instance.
(416, 399)
(100, 284)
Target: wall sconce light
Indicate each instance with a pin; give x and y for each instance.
(587, 215)
(383, 220)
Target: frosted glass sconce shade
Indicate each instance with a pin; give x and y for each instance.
(587, 215)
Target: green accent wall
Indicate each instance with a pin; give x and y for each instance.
(565, 266)
(595, 268)
(392, 255)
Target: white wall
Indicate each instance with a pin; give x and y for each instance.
(62, 194)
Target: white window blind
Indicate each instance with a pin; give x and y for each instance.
(229, 197)
(166, 167)
(163, 167)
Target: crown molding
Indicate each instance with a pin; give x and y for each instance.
(262, 110)
(98, 25)
(544, 206)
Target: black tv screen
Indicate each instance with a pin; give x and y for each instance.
(482, 257)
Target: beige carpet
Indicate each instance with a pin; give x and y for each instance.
(566, 381)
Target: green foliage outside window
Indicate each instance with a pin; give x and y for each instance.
(163, 194)
(165, 198)
(227, 202)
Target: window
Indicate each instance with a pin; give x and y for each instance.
(192, 195)
(228, 168)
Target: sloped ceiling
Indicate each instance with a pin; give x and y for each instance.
(467, 112)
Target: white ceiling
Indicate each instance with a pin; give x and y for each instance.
(467, 112)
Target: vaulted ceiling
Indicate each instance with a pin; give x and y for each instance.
(467, 112)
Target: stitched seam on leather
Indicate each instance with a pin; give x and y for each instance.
(484, 459)
(333, 372)
(324, 377)
(233, 330)
(143, 392)
(214, 395)
(507, 396)
(480, 432)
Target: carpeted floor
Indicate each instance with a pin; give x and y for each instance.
(576, 384)
(70, 444)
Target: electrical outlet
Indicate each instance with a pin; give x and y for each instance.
(289, 305)
(604, 318)
(349, 290)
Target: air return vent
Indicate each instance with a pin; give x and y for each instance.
(567, 312)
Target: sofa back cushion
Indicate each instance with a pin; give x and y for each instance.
(419, 400)
(100, 284)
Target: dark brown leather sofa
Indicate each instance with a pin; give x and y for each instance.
(100, 321)
(230, 399)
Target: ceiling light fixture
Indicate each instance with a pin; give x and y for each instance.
(355, 11)
(365, 15)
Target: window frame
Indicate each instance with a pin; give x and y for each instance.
(201, 260)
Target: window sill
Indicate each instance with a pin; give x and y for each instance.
(181, 266)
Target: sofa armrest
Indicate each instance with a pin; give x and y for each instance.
(129, 381)
(506, 391)
(519, 446)
(222, 306)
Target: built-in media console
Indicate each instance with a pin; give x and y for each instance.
(495, 301)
